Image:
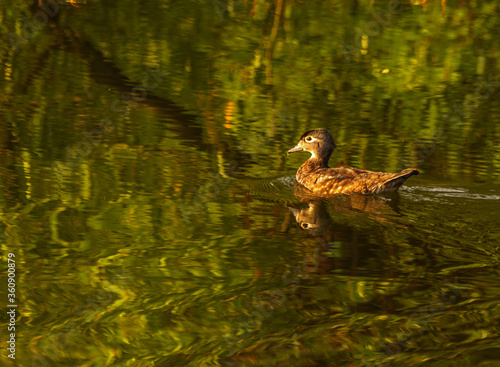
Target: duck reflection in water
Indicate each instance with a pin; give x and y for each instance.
(313, 216)
(314, 219)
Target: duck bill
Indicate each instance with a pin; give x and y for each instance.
(294, 211)
(297, 148)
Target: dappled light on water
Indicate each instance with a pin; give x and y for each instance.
(155, 217)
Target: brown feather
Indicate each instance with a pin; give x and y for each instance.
(316, 176)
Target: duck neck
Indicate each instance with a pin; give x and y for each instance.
(317, 162)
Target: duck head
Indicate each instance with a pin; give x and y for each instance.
(318, 142)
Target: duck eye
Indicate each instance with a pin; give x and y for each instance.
(309, 139)
(304, 225)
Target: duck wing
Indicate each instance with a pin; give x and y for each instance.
(345, 180)
(393, 183)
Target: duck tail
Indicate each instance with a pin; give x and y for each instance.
(398, 179)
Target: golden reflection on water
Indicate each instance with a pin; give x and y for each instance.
(146, 192)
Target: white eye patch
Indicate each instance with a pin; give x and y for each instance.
(310, 139)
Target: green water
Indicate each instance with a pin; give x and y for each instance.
(146, 194)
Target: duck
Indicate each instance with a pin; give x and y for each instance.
(316, 176)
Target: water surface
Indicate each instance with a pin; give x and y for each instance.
(148, 199)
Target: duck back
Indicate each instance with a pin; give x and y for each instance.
(346, 180)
